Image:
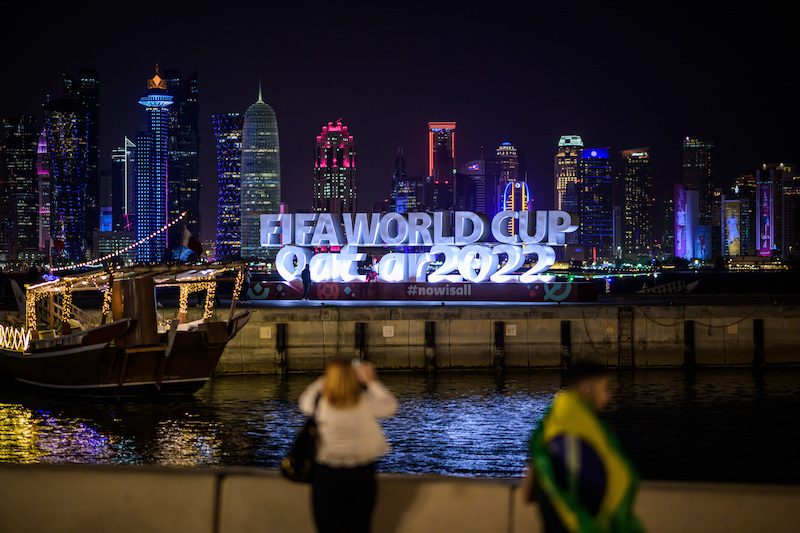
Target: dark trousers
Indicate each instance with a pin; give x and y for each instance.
(343, 498)
(306, 289)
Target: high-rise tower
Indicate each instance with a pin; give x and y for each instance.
(597, 201)
(637, 186)
(260, 174)
(697, 175)
(335, 170)
(184, 149)
(228, 135)
(404, 194)
(122, 172)
(152, 159)
(19, 140)
(442, 165)
(45, 192)
(566, 165)
(66, 125)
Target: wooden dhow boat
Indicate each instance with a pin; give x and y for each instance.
(130, 348)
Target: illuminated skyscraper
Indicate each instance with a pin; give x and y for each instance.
(637, 216)
(596, 201)
(228, 135)
(404, 193)
(442, 165)
(67, 146)
(19, 138)
(260, 174)
(122, 182)
(508, 160)
(516, 197)
(475, 171)
(744, 191)
(566, 165)
(86, 90)
(45, 192)
(697, 175)
(152, 158)
(777, 208)
(335, 170)
(184, 147)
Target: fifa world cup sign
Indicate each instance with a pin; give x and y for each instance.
(447, 247)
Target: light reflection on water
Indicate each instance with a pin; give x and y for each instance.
(726, 425)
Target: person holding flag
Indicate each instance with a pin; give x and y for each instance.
(578, 472)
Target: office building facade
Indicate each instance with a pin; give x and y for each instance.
(228, 136)
(152, 174)
(335, 170)
(596, 201)
(637, 217)
(260, 174)
(566, 165)
(442, 165)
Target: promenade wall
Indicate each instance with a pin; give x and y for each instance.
(302, 338)
(79, 498)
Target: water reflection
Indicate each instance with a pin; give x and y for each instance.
(727, 425)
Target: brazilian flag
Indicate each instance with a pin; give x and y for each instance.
(581, 469)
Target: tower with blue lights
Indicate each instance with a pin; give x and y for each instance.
(597, 201)
(228, 135)
(152, 180)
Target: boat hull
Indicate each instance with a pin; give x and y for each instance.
(181, 364)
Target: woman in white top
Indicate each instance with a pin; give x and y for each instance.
(351, 400)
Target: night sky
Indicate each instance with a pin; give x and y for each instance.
(628, 76)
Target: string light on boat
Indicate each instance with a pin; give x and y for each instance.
(17, 339)
(106, 310)
(94, 262)
(237, 285)
(66, 303)
(208, 310)
(202, 284)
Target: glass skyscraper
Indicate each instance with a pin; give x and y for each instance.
(122, 172)
(19, 138)
(404, 193)
(228, 135)
(152, 157)
(597, 201)
(184, 148)
(697, 174)
(566, 165)
(637, 216)
(66, 125)
(45, 192)
(260, 174)
(86, 90)
(335, 170)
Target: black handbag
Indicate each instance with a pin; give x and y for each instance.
(298, 465)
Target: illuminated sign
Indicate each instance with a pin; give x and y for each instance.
(764, 208)
(460, 246)
(731, 227)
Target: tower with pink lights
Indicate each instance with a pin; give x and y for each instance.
(335, 170)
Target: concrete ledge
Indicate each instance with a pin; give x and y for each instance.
(78, 498)
(75, 498)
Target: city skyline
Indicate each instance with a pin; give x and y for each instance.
(629, 90)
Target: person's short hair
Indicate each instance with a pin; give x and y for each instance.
(584, 369)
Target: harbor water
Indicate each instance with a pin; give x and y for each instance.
(713, 425)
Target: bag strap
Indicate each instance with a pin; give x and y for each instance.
(316, 405)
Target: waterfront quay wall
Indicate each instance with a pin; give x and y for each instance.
(302, 338)
(78, 498)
